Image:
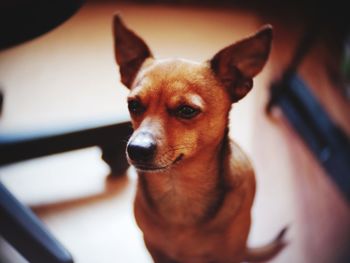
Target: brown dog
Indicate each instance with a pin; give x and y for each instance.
(196, 187)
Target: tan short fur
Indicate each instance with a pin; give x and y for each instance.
(196, 187)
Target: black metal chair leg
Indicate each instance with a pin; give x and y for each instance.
(115, 157)
(109, 136)
(23, 230)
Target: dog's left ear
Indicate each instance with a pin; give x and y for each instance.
(236, 65)
(130, 51)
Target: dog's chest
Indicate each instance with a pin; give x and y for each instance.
(179, 202)
(199, 245)
(192, 243)
(189, 244)
(177, 206)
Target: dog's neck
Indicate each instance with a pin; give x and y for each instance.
(189, 192)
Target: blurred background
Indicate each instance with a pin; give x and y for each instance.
(67, 77)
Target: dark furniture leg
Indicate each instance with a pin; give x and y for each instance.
(110, 137)
(18, 225)
(22, 229)
(115, 157)
(328, 142)
(1, 101)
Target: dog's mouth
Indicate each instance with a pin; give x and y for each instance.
(145, 167)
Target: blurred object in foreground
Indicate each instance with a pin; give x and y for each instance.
(22, 20)
(327, 141)
(346, 67)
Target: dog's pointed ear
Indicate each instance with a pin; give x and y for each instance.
(130, 51)
(237, 64)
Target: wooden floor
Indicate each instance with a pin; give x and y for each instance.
(68, 77)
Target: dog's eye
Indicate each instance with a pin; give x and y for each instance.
(186, 112)
(135, 107)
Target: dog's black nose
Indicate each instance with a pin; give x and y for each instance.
(142, 147)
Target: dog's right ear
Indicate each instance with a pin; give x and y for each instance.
(236, 65)
(130, 51)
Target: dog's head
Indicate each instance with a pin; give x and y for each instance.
(179, 109)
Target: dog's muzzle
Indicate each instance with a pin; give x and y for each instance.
(142, 148)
